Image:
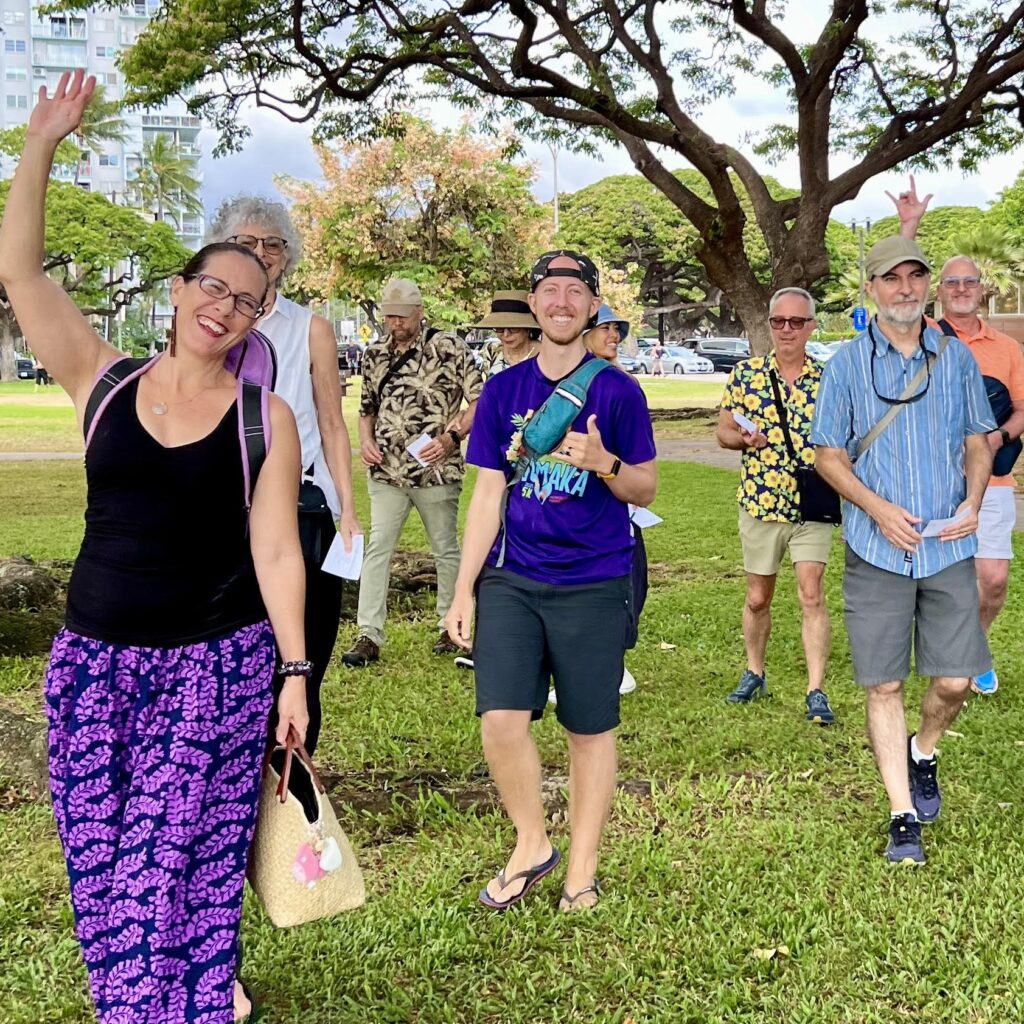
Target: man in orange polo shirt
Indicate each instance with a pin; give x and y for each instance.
(999, 356)
(960, 293)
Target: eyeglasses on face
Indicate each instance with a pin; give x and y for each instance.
(507, 330)
(795, 322)
(217, 289)
(955, 282)
(272, 244)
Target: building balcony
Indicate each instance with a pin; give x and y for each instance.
(73, 31)
(71, 57)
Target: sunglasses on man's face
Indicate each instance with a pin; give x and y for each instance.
(273, 245)
(795, 322)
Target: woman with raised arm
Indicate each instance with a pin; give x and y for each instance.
(160, 683)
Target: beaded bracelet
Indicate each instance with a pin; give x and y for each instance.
(296, 668)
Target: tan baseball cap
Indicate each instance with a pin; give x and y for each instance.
(400, 297)
(891, 252)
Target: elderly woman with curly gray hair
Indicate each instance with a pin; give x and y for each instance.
(308, 380)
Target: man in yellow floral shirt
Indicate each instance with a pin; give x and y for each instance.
(769, 515)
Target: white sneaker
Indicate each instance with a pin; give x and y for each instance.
(628, 684)
(464, 661)
(552, 699)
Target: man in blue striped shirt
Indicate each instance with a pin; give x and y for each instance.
(932, 462)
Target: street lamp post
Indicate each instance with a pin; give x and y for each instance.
(554, 167)
(861, 227)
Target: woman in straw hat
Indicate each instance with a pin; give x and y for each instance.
(517, 331)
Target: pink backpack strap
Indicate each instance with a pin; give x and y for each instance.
(253, 432)
(109, 381)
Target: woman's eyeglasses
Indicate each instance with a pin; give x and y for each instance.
(796, 322)
(272, 244)
(217, 289)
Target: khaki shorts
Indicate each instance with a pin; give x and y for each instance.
(765, 543)
(996, 520)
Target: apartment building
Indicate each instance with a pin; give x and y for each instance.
(36, 48)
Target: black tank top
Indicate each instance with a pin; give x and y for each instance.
(165, 560)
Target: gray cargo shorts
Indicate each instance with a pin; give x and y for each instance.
(886, 612)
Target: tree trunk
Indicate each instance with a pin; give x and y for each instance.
(8, 352)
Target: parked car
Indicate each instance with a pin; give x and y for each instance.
(26, 369)
(677, 360)
(631, 364)
(820, 351)
(724, 353)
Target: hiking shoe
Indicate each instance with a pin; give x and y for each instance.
(904, 846)
(986, 684)
(362, 652)
(750, 687)
(924, 786)
(446, 645)
(465, 661)
(818, 710)
(628, 684)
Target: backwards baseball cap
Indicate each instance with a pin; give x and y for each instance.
(891, 252)
(584, 270)
(401, 297)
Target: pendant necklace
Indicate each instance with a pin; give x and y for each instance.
(160, 408)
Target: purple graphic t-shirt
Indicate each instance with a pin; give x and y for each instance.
(564, 525)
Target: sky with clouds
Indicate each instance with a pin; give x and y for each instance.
(280, 146)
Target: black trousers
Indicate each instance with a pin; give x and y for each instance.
(323, 616)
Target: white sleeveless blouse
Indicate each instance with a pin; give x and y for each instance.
(287, 326)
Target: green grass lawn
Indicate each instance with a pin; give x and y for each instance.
(761, 832)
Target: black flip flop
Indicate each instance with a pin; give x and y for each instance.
(532, 876)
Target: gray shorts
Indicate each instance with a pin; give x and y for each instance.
(885, 612)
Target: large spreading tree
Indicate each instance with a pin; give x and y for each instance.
(946, 88)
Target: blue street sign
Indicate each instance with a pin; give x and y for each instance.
(860, 318)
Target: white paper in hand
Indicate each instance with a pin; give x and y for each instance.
(936, 526)
(346, 564)
(643, 517)
(417, 446)
(748, 425)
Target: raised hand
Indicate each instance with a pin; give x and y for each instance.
(57, 116)
(910, 209)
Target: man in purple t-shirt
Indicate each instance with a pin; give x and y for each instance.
(559, 605)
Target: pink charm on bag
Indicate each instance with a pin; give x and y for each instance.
(306, 868)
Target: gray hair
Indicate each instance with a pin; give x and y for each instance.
(274, 217)
(953, 259)
(805, 295)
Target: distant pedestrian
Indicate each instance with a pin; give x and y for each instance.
(353, 353)
(518, 335)
(901, 427)
(777, 394)
(415, 382)
(658, 353)
(42, 377)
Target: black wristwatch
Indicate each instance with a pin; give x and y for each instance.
(1005, 434)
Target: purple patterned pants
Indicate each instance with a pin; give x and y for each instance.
(155, 762)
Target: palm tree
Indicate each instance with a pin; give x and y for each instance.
(166, 180)
(101, 123)
(999, 258)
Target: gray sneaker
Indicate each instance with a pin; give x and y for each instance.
(904, 845)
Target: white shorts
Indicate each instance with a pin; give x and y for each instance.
(995, 523)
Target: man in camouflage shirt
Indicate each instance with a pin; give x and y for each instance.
(415, 381)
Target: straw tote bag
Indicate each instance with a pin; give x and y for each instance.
(301, 866)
